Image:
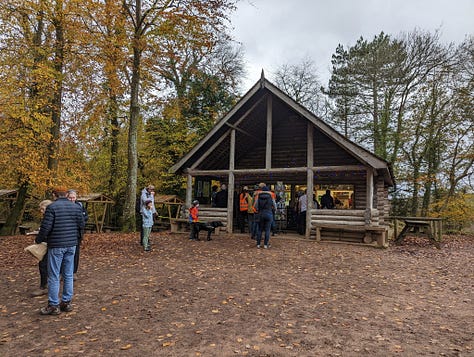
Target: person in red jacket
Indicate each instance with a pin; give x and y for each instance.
(193, 220)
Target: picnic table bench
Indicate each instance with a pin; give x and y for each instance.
(420, 226)
(24, 229)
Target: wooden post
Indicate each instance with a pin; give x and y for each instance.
(189, 191)
(230, 186)
(369, 197)
(309, 178)
(395, 228)
(268, 152)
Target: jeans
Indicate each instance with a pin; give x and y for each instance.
(60, 259)
(256, 225)
(266, 219)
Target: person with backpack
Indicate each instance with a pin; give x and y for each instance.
(265, 205)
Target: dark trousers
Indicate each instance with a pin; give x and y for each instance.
(241, 217)
(194, 235)
(302, 223)
(266, 219)
(43, 269)
(140, 224)
(76, 257)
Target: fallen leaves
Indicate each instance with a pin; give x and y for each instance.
(221, 296)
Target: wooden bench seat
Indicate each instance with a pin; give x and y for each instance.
(180, 225)
(379, 231)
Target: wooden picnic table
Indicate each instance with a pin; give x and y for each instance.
(429, 226)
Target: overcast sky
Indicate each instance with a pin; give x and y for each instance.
(274, 32)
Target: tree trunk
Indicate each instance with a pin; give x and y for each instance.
(56, 101)
(114, 142)
(129, 219)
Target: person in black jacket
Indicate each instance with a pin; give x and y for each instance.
(327, 201)
(265, 206)
(60, 228)
(221, 197)
(72, 196)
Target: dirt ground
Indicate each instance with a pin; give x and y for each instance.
(228, 298)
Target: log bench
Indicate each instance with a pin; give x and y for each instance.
(370, 231)
(181, 225)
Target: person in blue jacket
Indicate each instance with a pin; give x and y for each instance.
(147, 224)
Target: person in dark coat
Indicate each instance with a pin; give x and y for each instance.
(221, 197)
(60, 228)
(265, 206)
(327, 201)
(72, 196)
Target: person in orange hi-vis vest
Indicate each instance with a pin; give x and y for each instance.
(243, 208)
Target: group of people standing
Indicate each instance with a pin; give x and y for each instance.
(259, 211)
(62, 228)
(327, 202)
(257, 208)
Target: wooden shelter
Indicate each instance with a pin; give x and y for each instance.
(168, 206)
(98, 208)
(268, 137)
(8, 200)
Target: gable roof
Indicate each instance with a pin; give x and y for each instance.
(248, 116)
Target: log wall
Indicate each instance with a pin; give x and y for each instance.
(208, 214)
(350, 219)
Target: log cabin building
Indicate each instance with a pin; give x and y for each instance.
(268, 137)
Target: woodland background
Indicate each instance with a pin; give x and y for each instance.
(104, 96)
